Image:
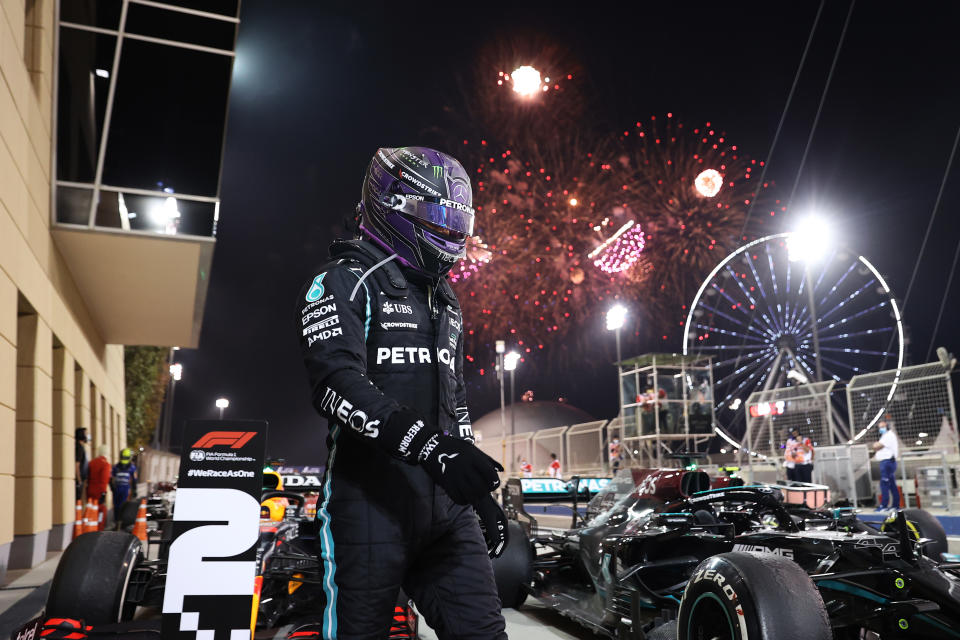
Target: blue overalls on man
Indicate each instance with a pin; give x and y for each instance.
(123, 480)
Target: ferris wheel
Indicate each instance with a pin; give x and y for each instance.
(768, 319)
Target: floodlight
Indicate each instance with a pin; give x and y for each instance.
(809, 240)
(616, 316)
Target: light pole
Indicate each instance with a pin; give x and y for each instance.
(510, 361)
(222, 403)
(501, 347)
(808, 243)
(616, 316)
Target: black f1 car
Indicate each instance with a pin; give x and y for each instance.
(661, 555)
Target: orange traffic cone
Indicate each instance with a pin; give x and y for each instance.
(140, 526)
(78, 523)
(90, 517)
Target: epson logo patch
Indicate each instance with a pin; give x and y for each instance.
(319, 313)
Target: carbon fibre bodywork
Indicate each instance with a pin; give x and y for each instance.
(624, 570)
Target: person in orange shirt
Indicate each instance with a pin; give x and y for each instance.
(555, 467)
(526, 468)
(98, 479)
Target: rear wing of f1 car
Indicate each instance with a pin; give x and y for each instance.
(566, 494)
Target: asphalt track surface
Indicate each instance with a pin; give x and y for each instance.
(533, 621)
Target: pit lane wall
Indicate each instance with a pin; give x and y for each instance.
(56, 372)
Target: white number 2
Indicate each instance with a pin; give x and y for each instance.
(187, 571)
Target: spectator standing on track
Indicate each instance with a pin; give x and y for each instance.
(98, 479)
(887, 449)
(124, 481)
(803, 456)
(555, 467)
(791, 456)
(526, 468)
(615, 456)
(80, 435)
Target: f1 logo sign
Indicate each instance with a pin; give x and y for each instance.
(235, 439)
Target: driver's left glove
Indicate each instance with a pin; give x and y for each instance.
(493, 524)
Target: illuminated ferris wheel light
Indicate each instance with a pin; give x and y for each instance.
(526, 81)
(709, 182)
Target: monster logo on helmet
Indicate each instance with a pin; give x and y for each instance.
(418, 204)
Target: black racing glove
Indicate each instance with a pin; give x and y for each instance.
(493, 524)
(465, 472)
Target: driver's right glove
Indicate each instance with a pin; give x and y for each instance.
(465, 472)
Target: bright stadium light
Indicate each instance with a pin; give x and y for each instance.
(526, 81)
(809, 240)
(616, 316)
(222, 403)
(709, 182)
(510, 360)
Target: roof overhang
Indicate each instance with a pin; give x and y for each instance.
(140, 288)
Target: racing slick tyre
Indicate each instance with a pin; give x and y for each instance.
(512, 569)
(91, 580)
(927, 526)
(746, 596)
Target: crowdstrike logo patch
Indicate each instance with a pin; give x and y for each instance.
(233, 439)
(443, 465)
(398, 325)
(417, 182)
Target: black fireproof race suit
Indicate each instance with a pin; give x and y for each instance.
(378, 344)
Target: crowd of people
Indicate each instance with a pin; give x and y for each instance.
(96, 477)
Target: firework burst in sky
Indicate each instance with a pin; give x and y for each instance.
(560, 236)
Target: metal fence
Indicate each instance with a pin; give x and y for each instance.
(545, 442)
(916, 402)
(772, 413)
(519, 448)
(846, 470)
(586, 449)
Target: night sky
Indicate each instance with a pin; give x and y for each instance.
(319, 86)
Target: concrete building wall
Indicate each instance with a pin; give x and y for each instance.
(51, 353)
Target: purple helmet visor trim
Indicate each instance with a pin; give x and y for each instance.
(448, 214)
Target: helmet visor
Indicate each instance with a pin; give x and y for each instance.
(437, 211)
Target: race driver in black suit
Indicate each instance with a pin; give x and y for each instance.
(381, 334)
